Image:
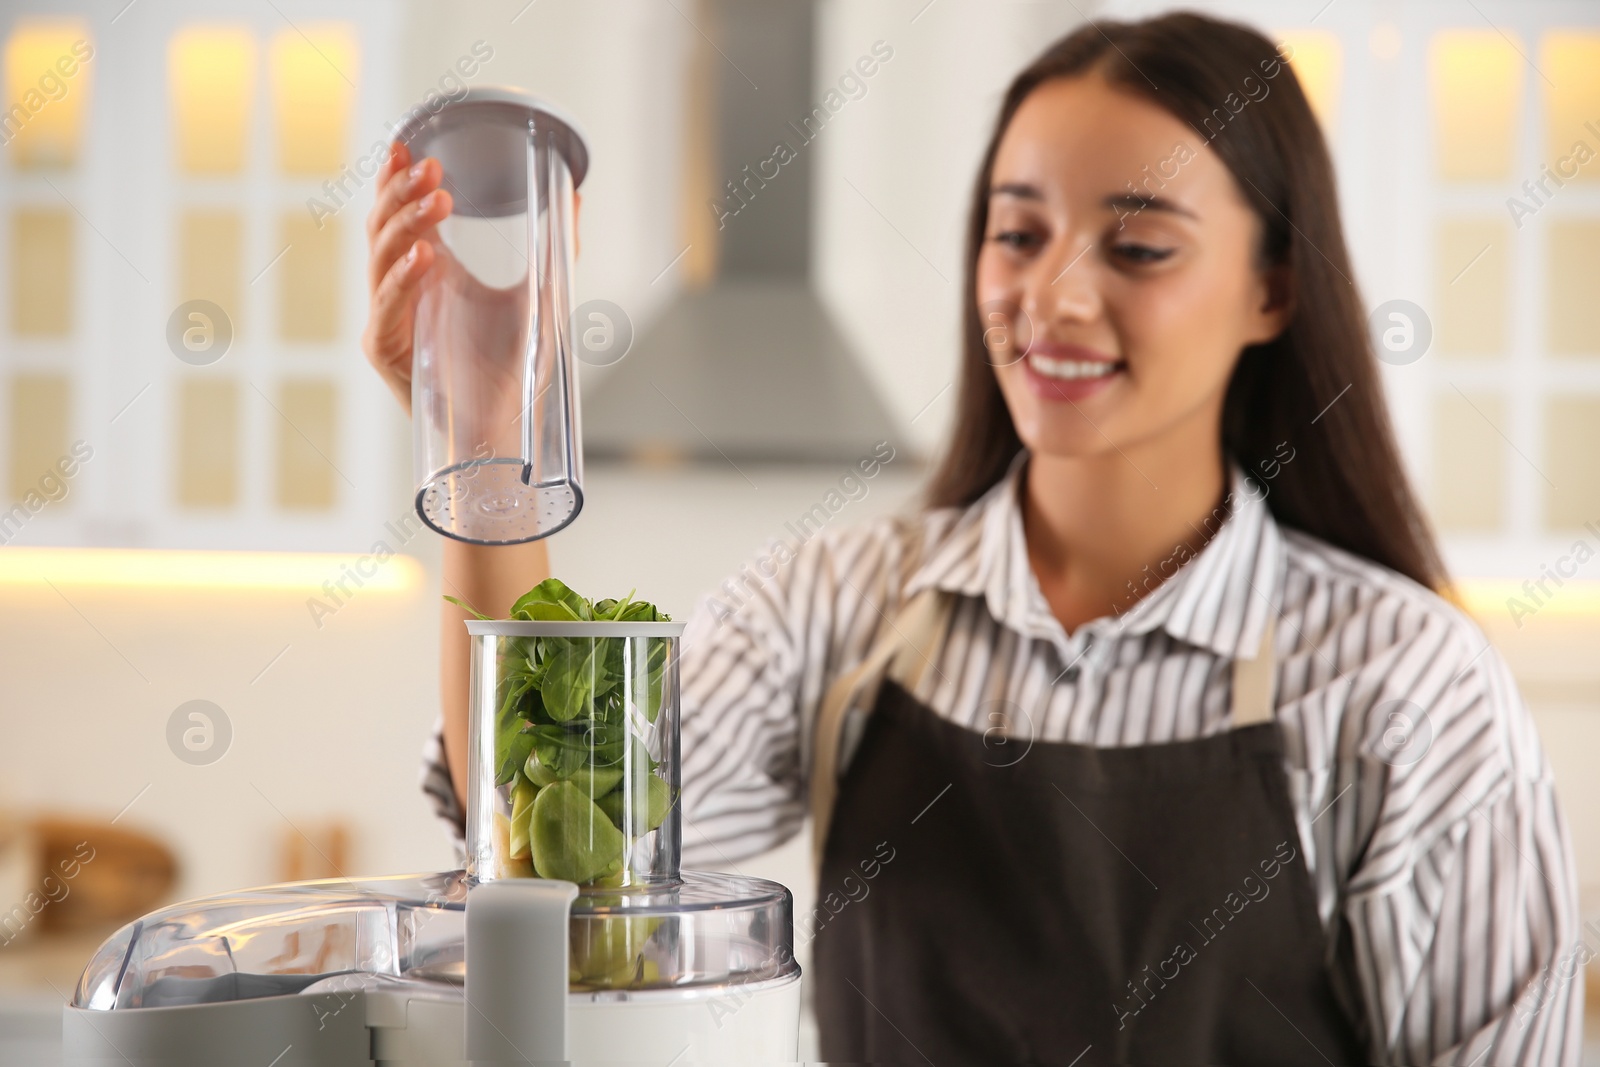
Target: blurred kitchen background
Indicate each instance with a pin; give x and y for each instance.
(169, 685)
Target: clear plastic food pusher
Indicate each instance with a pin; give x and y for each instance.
(494, 395)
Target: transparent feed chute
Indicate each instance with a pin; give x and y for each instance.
(494, 394)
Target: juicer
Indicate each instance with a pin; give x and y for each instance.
(428, 970)
(572, 936)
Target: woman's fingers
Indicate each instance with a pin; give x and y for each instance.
(399, 160)
(412, 221)
(388, 327)
(408, 204)
(394, 181)
(397, 199)
(402, 179)
(387, 339)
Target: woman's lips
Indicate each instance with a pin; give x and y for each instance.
(1069, 372)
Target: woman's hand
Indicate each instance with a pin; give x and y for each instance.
(403, 244)
(400, 251)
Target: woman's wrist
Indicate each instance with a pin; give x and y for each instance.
(490, 578)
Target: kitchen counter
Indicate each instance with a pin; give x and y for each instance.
(37, 976)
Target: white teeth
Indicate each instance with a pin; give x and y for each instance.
(1071, 368)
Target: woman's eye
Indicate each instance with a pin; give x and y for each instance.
(1015, 239)
(1140, 254)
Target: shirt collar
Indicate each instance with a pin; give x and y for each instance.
(1218, 599)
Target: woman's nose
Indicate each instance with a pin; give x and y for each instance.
(1064, 285)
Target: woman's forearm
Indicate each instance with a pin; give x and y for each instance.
(490, 579)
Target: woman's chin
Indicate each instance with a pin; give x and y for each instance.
(1057, 429)
(1052, 438)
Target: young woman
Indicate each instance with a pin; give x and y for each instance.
(1173, 751)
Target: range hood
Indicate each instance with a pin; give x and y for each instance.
(746, 364)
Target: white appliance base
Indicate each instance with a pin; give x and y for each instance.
(750, 1026)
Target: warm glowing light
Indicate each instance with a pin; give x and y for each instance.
(136, 568)
(1314, 57)
(1571, 60)
(1476, 77)
(314, 75)
(46, 92)
(212, 70)
(1490, 598)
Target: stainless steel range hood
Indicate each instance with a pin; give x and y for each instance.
(746, 365)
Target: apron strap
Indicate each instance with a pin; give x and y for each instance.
(1254, 681)
(905, 646)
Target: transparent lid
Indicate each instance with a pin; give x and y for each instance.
(480, 139)
(497, 446)
(706, 931)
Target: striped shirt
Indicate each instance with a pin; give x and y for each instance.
(1425, 805)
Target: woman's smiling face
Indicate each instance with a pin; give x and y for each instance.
(1117, 281)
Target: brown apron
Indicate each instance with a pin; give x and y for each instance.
(1077, 905)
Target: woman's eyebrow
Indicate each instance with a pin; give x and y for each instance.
(1133, 203)
(1017, 189)
(1123, 203)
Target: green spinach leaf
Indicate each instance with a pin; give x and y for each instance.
(562, 728)
(551, 600)
(469, 609)
(576, 675)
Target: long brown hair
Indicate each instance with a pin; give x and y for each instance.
(1316, 385)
